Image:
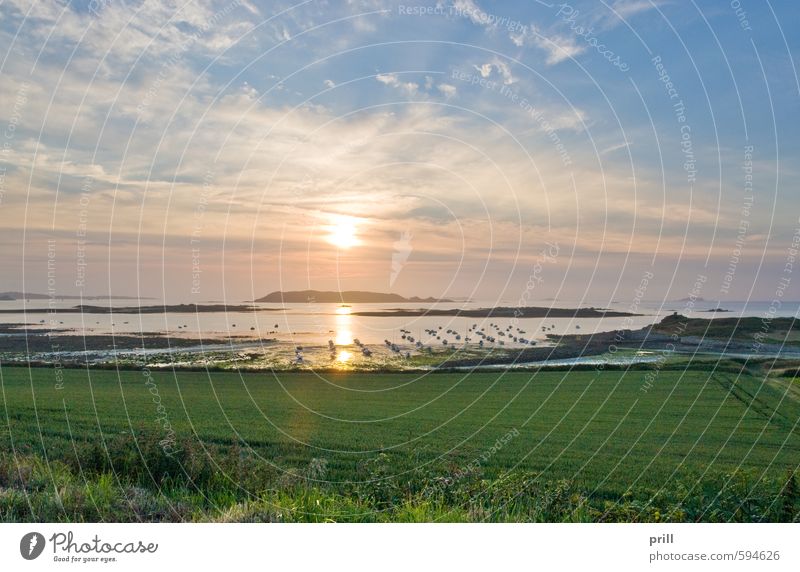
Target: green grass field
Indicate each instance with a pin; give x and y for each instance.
(481, 446)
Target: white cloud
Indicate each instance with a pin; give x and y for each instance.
(626, 8)
(447, 90)
(573, 119)
(485, 69)
(559, 48)
(505, 71)
(616, 147)
(391, 80)
(471, 10)
(517, 39)
(500, 67)
(123, 34)
(329, 83)
(618, 12)
(387, 78)
(523, 37)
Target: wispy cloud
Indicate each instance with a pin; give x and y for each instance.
(449, 91)
(628, 8)
(559, 48)
(472, 11)
(500, 67)
(617, 147)
(391, 79)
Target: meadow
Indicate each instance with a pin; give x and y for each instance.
(78, 444)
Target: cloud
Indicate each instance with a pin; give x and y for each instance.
(157, 30)
(616, 147)
(500, 67)
(391, 80)
(449, 91)
(616, 13)
(329, 83)
(484, 69)
(472, 11)
(523, 35)
(627, 8)
(559, 48)
(490, 22)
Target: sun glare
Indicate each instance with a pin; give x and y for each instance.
(344, 337)
(342, 232)
(344, 334)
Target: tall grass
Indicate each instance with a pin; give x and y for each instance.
(132, 479)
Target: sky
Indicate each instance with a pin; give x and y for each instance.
(220, 150)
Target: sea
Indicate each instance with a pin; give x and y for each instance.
(319, 324)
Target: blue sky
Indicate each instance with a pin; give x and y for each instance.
(235, 139)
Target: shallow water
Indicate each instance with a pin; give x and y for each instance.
(316, 324)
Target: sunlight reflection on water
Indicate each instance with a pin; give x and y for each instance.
(344, 332)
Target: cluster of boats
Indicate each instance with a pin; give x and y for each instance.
(492, 334)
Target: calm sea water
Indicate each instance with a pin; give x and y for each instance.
(316, 324)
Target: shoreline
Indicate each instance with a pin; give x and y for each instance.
(157, 309)
(501, 312)
(674, 338)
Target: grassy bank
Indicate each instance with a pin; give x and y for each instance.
(586, 446)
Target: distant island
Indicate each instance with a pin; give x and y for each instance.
(10, 296)
(161, 309)
(344, 297)
(504, 312)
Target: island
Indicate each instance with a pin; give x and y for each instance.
(343, 297)
(10, 296)
(158, 309)
(502, 312)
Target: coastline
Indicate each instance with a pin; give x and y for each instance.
(674, 338)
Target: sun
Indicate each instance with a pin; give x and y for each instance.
(342, 232)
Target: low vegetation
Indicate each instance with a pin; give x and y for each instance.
(749, 329)
(537, 446)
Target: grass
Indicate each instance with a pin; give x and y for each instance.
(775, 330)
(88, 445)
